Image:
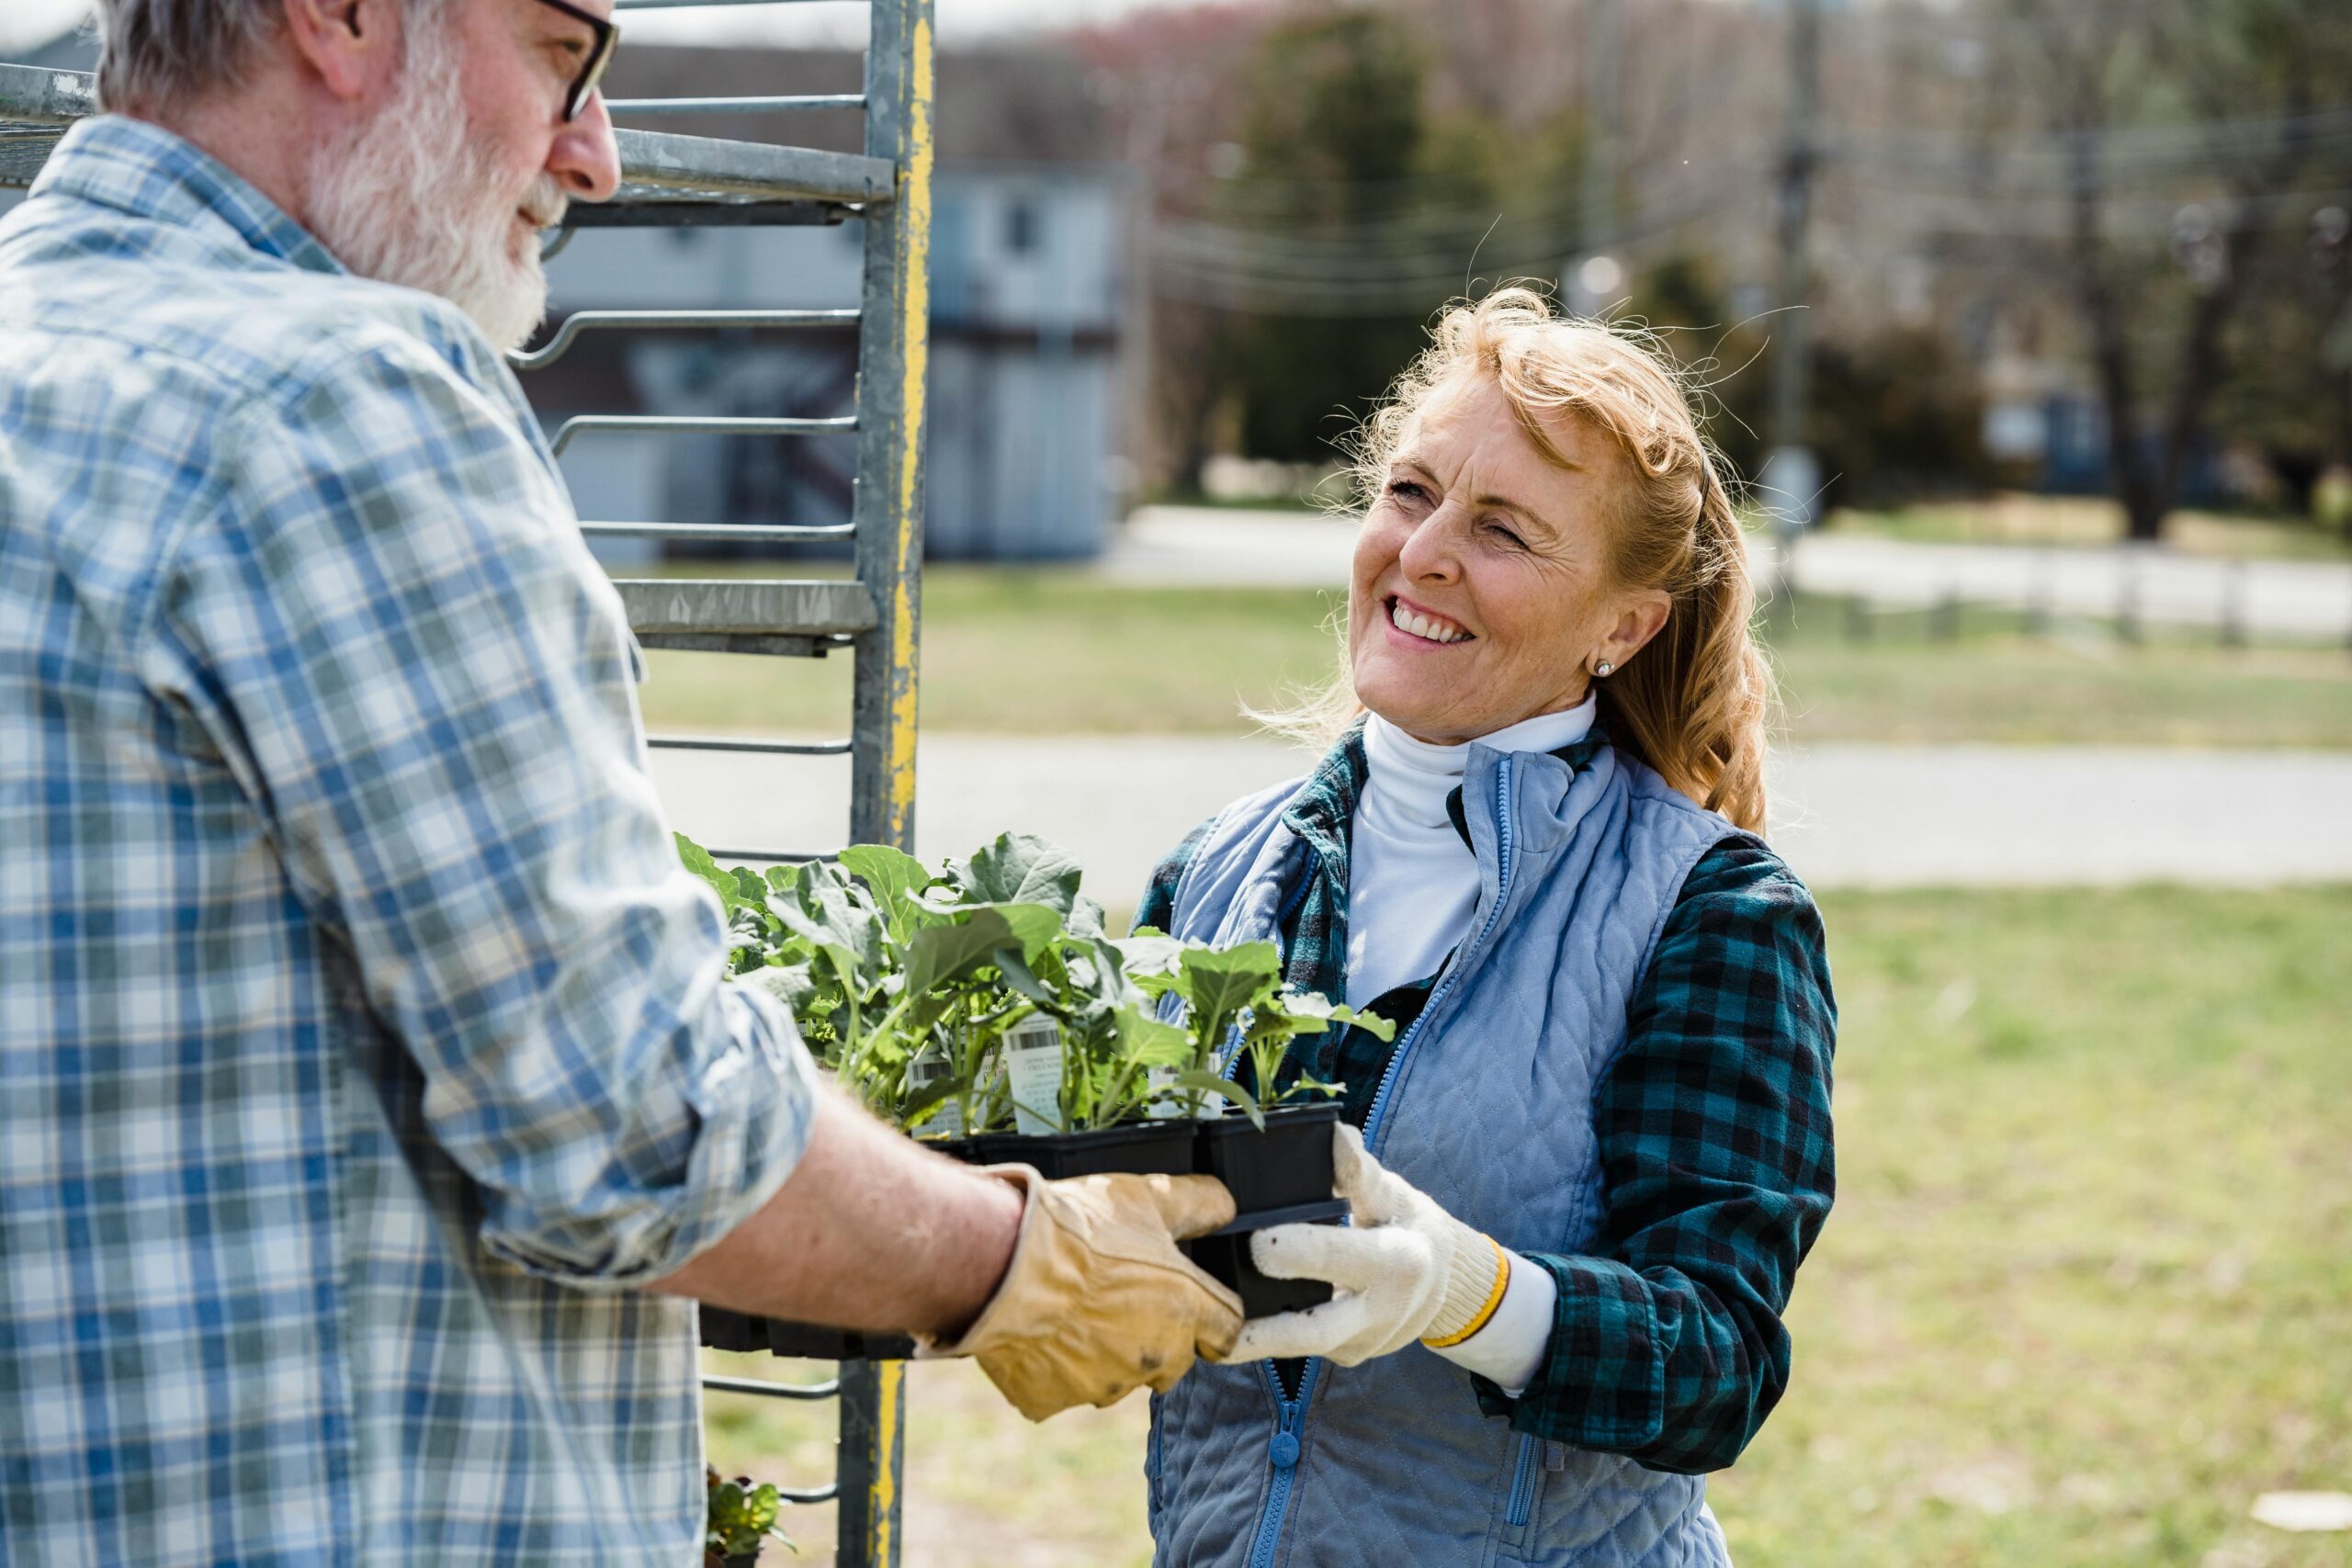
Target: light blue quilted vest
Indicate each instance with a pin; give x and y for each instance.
(1487, 1107)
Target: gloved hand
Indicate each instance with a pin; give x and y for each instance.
(1097, 1299)
(1406, 1269)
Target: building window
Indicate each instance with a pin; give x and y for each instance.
(1021, 228)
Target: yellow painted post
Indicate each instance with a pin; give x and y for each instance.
(893, 370)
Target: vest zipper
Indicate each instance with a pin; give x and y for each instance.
(1283, 1450)
(1522, 1482)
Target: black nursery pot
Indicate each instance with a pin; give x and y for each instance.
(1279, 1176)
(1137, 1148)
(723, 1330)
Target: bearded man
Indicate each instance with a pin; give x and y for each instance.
(373, 1103)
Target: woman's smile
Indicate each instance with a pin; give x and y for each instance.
(1418, 626)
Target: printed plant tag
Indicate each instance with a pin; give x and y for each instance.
(1165, 1106)
(928, 1069)
(1033, 1070)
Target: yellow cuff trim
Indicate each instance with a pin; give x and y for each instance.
(1494, 1299)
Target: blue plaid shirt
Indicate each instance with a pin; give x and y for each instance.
(363, 1045)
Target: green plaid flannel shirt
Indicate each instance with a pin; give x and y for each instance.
(1714, 1135)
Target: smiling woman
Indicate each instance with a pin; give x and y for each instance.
(1539, 486)
(1584, 1173)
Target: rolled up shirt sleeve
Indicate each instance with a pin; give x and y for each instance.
(427, 686)
(1718, 1171)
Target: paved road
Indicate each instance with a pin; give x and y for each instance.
(1846, 816)
(2300, 599)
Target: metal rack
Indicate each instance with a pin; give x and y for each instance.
(671, 180)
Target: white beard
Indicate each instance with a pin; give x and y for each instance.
(403, 199)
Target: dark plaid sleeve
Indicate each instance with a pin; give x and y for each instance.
(1159, 906)
(1717, 1173)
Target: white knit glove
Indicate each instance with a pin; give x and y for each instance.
(1405, 1271)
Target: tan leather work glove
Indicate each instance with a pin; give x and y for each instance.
(1097, 1299)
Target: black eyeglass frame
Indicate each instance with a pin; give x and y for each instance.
(600, 57)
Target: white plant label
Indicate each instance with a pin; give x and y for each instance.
(1033, 1072)
(927, 1068)
(1165, 1107)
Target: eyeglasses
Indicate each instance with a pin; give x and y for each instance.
(600, 56)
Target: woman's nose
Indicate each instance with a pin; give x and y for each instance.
(1430, 552)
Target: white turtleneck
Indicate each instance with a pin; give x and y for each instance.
(1412, 882)
(1412, 887)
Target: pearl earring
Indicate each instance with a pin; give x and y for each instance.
(1603, 668)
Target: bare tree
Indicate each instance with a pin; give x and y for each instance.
(2115, 81)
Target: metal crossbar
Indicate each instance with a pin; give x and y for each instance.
(721, 532)
(671, 181)
(579, 322)
(736, 105)
(665, 424)
(728, 743)
(765, 1390)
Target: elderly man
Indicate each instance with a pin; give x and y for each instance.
(371, 1100)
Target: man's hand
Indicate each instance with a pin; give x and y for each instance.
(1098, 1299)
(1405, 1271)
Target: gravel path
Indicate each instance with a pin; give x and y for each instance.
(1845, 816)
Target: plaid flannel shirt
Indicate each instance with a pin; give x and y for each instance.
(363, 1043)
(1715, 1134)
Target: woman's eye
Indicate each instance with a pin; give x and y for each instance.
(1406, 490)
(1503, 535)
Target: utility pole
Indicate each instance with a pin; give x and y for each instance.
(1590, 280)
(1791, 476)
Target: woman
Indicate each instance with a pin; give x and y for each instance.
(1600, 1144)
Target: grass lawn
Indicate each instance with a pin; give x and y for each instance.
(1060, 652)
(2092, 521)
(2086, 1292)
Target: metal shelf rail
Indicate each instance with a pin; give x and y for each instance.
(671, 180)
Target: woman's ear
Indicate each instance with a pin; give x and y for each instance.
(1641, 616)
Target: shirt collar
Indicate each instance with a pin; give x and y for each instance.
(146, 171)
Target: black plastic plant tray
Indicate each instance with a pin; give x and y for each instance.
(1139, 1148)
(1286, 1164)
(1280, 1175)
(1276, 1177)
(723, 1330)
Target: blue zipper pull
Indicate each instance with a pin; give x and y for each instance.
(1282, 1452)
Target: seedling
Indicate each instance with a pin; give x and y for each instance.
(740, 1518)
(911, 983)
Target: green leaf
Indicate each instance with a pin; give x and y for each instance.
(697, 860)
(795, 985)
(1317, 1006)
(829, 914)
(1148, 1040)
(1014, 967)
(1085, 918)
(1209, 1083)
(1039, 926)
(1021, 868)
(1218, 983)
(1145, 951)
(894, 877)
(950, 950)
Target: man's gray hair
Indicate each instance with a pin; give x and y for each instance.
(155, 53)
